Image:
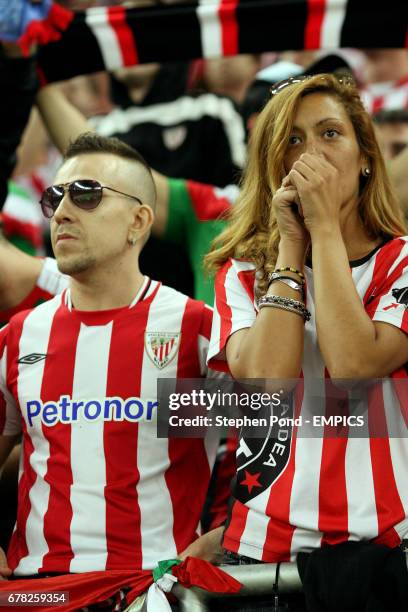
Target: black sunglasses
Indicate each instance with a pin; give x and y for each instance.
(84, 193)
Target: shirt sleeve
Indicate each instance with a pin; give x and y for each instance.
(234, 310)
(204, 338)
(192, 203)
(390, 304)
(10, 419)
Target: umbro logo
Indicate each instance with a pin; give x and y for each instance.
(32, 358)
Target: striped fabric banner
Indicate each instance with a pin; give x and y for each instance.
(106, 38)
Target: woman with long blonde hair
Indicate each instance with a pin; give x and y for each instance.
(312, 285)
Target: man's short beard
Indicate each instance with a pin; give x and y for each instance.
(75, 266)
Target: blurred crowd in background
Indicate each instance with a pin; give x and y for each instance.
(190, 121)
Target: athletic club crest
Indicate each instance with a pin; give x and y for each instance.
(162, 347)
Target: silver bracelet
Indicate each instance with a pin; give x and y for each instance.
(283, 307)
(290, 282)
(281, 301)
(275, 275)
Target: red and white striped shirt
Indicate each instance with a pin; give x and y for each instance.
(98, 490)
(328, 490)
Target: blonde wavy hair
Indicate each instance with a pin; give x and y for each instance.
(252, 233)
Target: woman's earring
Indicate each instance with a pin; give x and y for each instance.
(366, 172)
(132, 241)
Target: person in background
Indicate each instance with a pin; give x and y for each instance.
(391, 127)
(385, 84)
(310, 285)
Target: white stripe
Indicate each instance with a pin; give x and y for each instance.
(34, 339)
(186, 108)
(23, 209)
(363, 275)
(332, 24)
(304, 501)
(396, 98)
(368, 100)
(97, 20)
(393, 316)
(398, 440)
(140, 292)
(243, 310)
(214, 347)
(304, 540)
(230, 193)
(361, 503)
(211, 29)
(89, 476)
(152, 453)
(256, 524)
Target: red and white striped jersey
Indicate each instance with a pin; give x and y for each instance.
(327, 490)
(98, 490)
(49, 283)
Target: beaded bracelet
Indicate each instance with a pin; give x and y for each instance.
(294, 270)
(285, 303)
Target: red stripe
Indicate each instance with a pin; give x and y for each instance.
(18, 546)
(188, 457)
(390, 510)
(27, 230)
(376, 104)
(206, 323)
(126, 40)
(2, 413)
(35, 297)
(280, 532)
(58, 380)
(235, 529)
(333, 505)
(37, 182)
(229, 26)
(225, 473)
(247, 280)
(205, 201)
(123, 533)
(42, 79)
(314, 22)
(3, 337)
